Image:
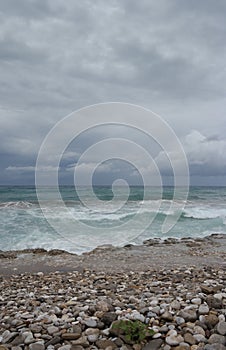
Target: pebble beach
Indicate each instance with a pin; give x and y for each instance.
(160, 295)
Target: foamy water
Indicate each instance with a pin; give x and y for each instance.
(79, 228)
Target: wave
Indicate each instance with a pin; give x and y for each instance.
(17, 205)
(204, 213)
(159, 208)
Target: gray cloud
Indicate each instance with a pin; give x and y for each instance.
(58, 56)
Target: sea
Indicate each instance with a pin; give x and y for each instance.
(79, 221)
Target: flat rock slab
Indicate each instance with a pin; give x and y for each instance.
(153, 254)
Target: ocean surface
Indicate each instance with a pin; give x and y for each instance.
(81, 221)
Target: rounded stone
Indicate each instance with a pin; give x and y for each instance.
(211, 320)
(173, 338)
(71, 336)
(37, 346)
(52, 329)
(91, 322)
(188, 338)
(221, 327)
(203, 309)
(216, 338)
(196, 301)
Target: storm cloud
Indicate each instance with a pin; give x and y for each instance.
(58, 56)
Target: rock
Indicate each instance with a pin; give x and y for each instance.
(221, 327)
(200, 338)
(37, 346)
(135, 315)
(59, 310)
(182, 347)
(216, 338)
(53, 341)
(77, 347)
(91, 322)
(52, 329)
(81, 341)
(18, 340)
(188, 338)
(108, 318)
(211, 320)
(104, 343)
(92, 334)
(167, 316)
(65, 347)
(29, 338)
(40, 274)
(196, 301)
(203, 309)
(213, 303)
(180, 320)
(8, 336)
(199, 330)
(188, 315)
(219, 296)
(102, 306)
(77, 328)
(70, 336)
(35, 328)
(207, 289)
(2, 347)
(175, 305)
(173, 338)
(214, 347)
(153, 344)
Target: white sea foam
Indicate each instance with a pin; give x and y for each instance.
(205, 213)
(22, 224)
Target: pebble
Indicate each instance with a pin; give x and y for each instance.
(216, 338)
(52, 329)
(221, 327)
(37, 346)
(203, 309)
(91, 322)
(173, 338)
(65, 347)
(72, 311)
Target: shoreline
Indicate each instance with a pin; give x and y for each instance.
(173, 291)
(153, 253)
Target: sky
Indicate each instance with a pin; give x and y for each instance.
(59, 56)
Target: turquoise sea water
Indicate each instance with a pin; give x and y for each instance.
(85, 221)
